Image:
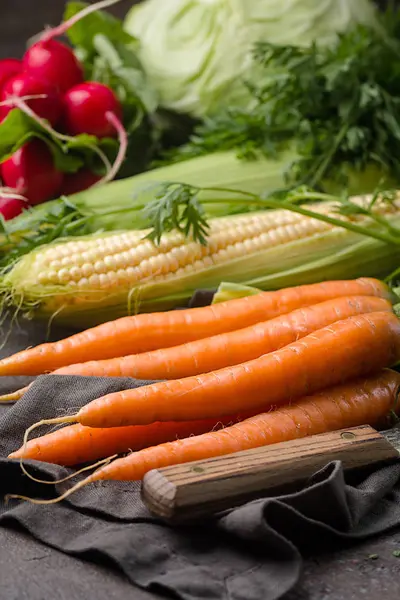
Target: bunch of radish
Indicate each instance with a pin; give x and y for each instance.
(48, 85)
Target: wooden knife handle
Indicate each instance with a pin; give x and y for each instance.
(200, 488)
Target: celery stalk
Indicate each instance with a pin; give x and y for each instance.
(118, 205)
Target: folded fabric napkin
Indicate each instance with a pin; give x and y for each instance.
(250, 553)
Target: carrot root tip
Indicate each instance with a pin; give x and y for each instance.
(91, 479)
(102, 462)
(75, 488)
(35, 426)
(14, 396)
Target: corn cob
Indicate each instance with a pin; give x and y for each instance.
(96, 278)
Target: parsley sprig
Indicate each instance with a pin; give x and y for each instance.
(177, 207)
(339, 107)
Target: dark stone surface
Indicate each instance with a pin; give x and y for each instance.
(349, 574)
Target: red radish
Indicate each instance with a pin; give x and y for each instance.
(26, 85)
(54, 62)
(8, 68)
(86, 107)
(31, 172)
(77, 182)
(11, 207)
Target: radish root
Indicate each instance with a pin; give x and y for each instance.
(123, 147)
(7, 192)
(63, 28)
(10, 100)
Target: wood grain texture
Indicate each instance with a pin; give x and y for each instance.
(200, 488)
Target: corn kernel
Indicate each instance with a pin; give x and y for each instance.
(63, 275)
(84, 282)
(87, 269)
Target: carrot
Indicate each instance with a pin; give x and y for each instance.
(76, 444)
(145, 332)
(226, 349)
(340, 352)
(364, 401)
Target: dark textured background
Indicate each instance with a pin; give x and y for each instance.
(346, 575)
(20, 19)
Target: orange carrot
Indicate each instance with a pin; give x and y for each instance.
(233, 348)
(356, 346)
(364, 401)
(225, 349)
(145, 332)
(76, 444)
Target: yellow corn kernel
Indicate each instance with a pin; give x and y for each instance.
(132, 259)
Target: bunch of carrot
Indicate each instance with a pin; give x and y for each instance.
(240, 374)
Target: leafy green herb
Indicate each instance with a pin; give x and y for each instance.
(396, 553)
(83, 33)
(65, 161)
(175, 206)
(110, 56)
(117, 66)
(61, 220)
(340, 106)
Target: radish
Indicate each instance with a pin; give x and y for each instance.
(85, 109)
(54, 62)
(77, 182)
(93, 108)
(8, 68)
(113, 169)
(31, 172)
(11, 207)
(25, 85)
